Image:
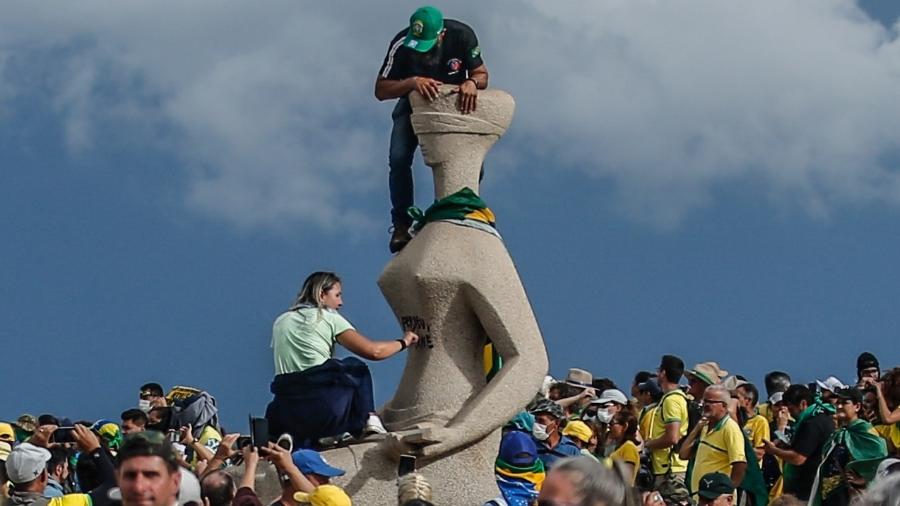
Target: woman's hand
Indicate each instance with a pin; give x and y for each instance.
(410, 338)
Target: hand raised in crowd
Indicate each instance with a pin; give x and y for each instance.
(186, 435)
(278, 456)
(428, 87)
(468, 96)
(782, 417)
(41, 436)
(251, 456)
(86, 439)
(226, 448)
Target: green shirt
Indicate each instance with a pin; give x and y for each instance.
(305, 338)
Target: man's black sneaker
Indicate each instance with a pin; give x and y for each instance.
(399, 238)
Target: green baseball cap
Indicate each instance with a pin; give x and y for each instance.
(713, 485)
(425, 25)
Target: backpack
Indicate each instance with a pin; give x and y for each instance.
(194, 407)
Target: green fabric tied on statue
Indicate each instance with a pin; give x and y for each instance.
(462, 205)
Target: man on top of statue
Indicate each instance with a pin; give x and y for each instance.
(430, 52)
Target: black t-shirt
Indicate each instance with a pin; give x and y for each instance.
(450, 63)
(808, 441)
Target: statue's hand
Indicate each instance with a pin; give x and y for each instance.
(436, 441)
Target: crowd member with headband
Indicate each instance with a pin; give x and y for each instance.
(316, 395)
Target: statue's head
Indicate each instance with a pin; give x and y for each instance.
(432, 120)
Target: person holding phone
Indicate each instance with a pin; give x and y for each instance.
(317, 395)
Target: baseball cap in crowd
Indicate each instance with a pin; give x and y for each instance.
(27, 423)
(776, 398)
(831, 384)
(324, 495)
(189, 489)
(7, 433)
(310, 461)
(578, 430)
(549, 407)
(707, 372)
(518, 449)
(425, 26)
(611, 396)
(579, 378)
(852, 393)
(712, 485)
(650, 386)
(26, 462)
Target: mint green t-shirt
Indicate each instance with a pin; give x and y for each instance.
(305, 338)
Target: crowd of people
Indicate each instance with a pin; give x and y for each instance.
(680, 431)
(679, 436)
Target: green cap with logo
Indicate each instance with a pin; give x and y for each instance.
(425, 25)
(713, 485)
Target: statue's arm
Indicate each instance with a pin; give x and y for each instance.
(502, 308)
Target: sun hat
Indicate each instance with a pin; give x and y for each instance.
(707, 372)
(425, 26)
(579, 378)
(732, 382)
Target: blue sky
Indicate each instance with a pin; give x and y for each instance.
(165, 187)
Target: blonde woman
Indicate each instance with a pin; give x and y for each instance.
(316, 395)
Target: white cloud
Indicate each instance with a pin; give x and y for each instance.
(668, 99)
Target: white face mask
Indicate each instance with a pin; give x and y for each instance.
(539, 431)
(144, 405)
(604, 416)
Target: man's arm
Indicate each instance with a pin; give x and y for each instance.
(468, 90)
(480, 76)
(790, 456)
(90, 447)
(738, 471)
(387, 89)
(687, 447)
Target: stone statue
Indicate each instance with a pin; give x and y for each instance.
(453, 285)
